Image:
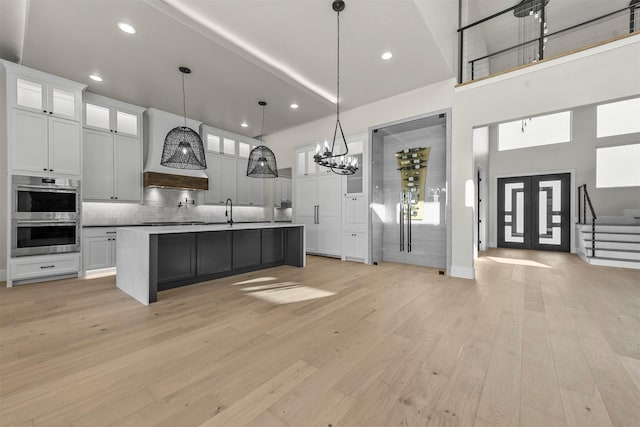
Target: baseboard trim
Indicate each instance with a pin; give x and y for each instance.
(462, 272)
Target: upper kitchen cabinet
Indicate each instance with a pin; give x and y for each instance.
(112, 167)
(43, 128)
(304, 161)
(35, 91)
(112, 116)
(227, 155)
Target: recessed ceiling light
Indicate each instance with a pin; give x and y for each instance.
(386, 56)
(126, 28)
(244, 124)
(294, 106)
(95, 77)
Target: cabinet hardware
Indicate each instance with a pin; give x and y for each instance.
(47, 266)
(50, 170)
(45, 169)
(111, 232)
(44, 111)
(50, 112)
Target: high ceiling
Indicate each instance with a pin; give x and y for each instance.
(240, 51)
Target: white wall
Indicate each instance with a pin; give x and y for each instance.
(595, 75)
(578, 155)
(592, 76)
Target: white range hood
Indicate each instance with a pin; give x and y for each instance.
(157, 124)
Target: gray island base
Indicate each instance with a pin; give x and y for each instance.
(153, 259)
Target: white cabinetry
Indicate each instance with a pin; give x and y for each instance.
(282, 192)
(222, 179)
(354, 237)
(35, 268)
(43, 126)
(112, 150)
(99, 248)
(44, 145)
(226, 154)
(318, 204)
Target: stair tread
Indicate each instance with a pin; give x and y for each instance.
(611, 241)
(613, 259)
(615, 250)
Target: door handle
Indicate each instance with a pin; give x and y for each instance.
(409, 224)
(401, 221)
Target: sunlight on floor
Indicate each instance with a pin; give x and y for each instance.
(514, 261)
(99, 273)
(291, 294)
(281, 292)
(256, 280)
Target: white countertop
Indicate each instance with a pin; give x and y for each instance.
(170, 229)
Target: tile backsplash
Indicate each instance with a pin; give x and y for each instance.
(162, 205)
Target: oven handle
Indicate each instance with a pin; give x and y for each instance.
(50, 188)
(45, 222)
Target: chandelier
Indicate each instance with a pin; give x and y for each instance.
(262, 161)
(183, 147)
(339, 163)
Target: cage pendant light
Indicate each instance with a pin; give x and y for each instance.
(183, 148)
(339, 163)
(262, 161)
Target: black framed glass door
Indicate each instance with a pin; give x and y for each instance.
(534, 212)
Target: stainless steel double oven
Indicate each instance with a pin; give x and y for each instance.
(45, 215)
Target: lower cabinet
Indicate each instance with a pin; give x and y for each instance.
(354, 245)
(183, 258)
(176, 259)
(246, 248)
(99, 248)
(43, 266)
(213, 252)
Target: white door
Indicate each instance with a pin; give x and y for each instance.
(311, 231)
(306, 197)
(64, 146)
(128, 169)
(97, 179)
(213, 195)
(228, 178)
(257, 191)
(355, 210)
(97, 252)
(244, 183)
(329, 213)
(29, 142)
(63, 102)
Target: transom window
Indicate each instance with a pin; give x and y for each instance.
(536, 131)
(618, 118)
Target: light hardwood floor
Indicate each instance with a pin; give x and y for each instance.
(552, 343)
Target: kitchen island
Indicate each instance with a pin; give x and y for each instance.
(152, 259)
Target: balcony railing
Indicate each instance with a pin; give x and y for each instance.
(533, 30)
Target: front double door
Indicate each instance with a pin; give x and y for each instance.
(534, 212)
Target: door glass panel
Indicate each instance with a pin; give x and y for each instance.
(311, 165)
(97, 116)
(243, 149)
(64, 102)
(127, 123)
(514, 212)
(229, 147)
(213, 143)
(549, 218)
(29, 94)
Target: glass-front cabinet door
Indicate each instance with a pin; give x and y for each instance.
(46, 98)
(113, 116)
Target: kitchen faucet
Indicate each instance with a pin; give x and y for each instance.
(228, 203)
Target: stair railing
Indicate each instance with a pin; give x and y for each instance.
(583, 200)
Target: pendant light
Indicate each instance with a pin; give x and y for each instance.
(183, 148)
(339, 163)
(262, 161)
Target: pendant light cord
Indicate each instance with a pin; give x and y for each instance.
(184, 102)
(338, 72)
(262, 128)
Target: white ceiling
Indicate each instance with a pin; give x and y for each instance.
(240, 51)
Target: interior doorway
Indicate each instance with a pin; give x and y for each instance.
(534, 212)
